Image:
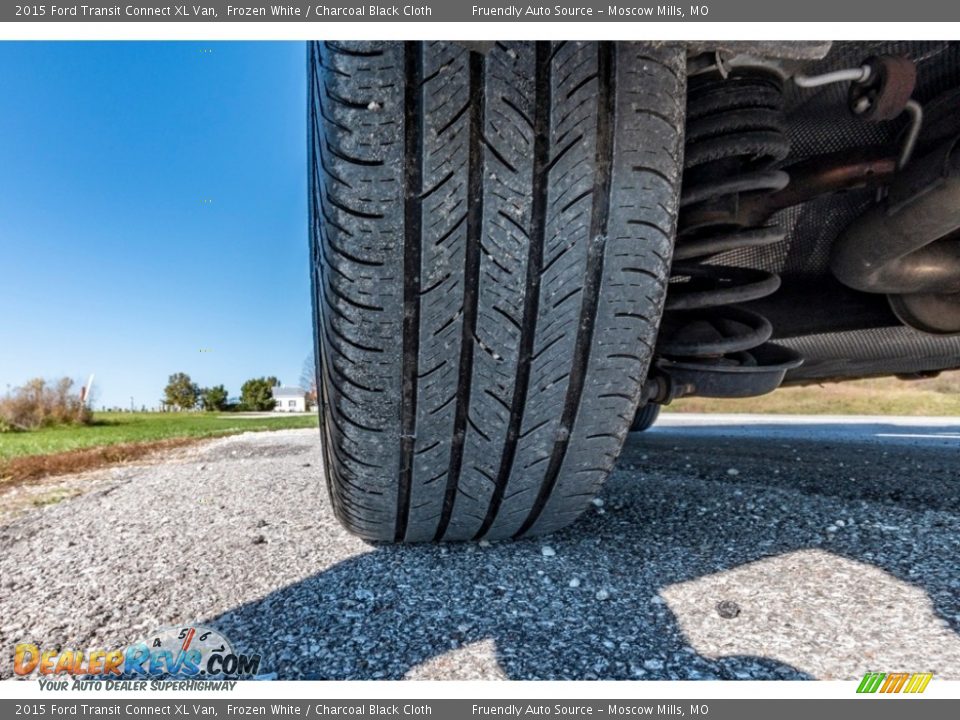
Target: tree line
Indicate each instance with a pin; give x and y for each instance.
(256, 394)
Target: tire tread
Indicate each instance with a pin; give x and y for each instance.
(490, 241)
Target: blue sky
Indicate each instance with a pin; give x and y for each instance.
(153, 205)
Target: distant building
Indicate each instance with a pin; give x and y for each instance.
(290, 399)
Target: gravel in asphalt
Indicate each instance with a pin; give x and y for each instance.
(720, 548)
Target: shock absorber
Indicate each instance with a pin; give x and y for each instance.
(735, 140)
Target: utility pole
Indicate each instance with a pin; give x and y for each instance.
(85, 397)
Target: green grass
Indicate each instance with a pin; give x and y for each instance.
(115, 428)
(877, 396)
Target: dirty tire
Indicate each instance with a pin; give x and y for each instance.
(491, 236)
(646, 416)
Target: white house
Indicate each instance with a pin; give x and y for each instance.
(290, 399)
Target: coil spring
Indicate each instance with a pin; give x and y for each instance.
(735, 137)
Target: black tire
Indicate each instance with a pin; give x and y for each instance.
(646, 416)
(491, 237)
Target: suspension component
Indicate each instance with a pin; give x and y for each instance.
(886, 90)
(880, 89)
(735, 139)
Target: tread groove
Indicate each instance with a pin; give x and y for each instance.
(413, 221)
(593, 277)
(538, 226)
(471, 285)
(499, 156)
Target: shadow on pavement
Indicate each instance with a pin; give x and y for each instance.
(674, 511)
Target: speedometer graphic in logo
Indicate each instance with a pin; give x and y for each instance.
(186, 651)
(190, 638)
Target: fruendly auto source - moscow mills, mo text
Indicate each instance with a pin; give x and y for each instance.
(567, 11)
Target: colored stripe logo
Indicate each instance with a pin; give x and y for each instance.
(912, 683)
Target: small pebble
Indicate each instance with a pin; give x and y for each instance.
(547, 551)
(602, 595)
(733, 472)
(574, 582)
(728, 609)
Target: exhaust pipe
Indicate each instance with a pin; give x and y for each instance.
(908, 248)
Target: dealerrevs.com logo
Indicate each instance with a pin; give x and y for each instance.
(192, 652)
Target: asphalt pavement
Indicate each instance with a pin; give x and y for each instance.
(742, 547)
